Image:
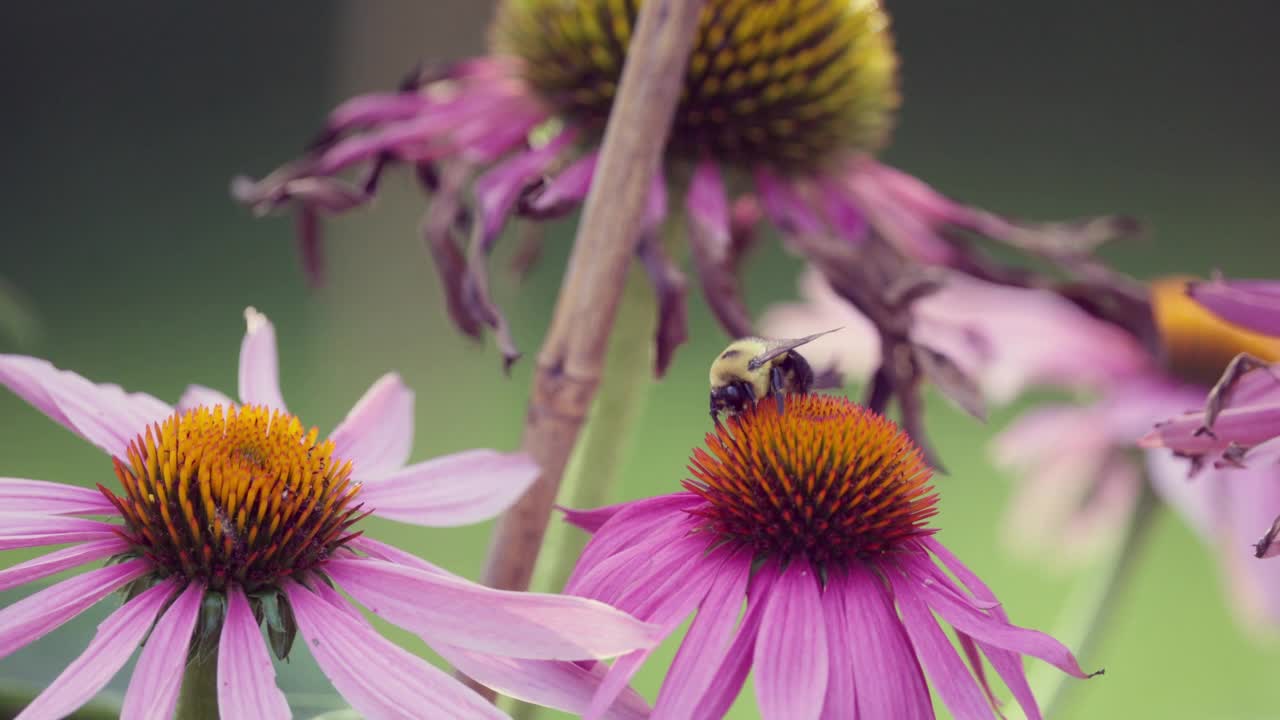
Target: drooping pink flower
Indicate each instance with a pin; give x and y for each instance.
(229, 512)
(789, 101)
(816, 517)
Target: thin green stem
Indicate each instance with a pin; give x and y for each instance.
(591, 478)
(1091, 609)
(199, 697)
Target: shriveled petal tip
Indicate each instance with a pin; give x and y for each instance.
(458, 489)
(105, 415)
(1251, 304)
(259, 365)
(379, 679)
(377, 434)
(117, 638)
(34, 616)
(246, 677)
(18, 495)
(153, 689)
(473, 617)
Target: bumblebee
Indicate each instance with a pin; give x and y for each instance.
(753, 368)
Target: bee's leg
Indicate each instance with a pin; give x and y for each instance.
(777, 383)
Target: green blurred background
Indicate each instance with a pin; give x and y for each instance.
(124, 122)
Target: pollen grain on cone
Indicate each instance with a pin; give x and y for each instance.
(789, 84)
(244, 495)
(827, 479)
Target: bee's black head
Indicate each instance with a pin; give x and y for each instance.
(731, 399)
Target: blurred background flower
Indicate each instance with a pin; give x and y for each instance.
(1104, 106)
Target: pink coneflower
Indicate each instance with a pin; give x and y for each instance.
(1251, 304)
(816, 517)
(786, 101)
(228, 516)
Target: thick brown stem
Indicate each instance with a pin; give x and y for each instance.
(573, 353)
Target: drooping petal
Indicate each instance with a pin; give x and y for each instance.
(1244, 426)
(105, 415)
(632, 521)
(112, 646)
(953, 681)
(785, 206)
(1251, 304)
(566, 190)
(498, 189)
(593, 519)
(153, 689)
(841, 700)
(732, 673)
(708, 641)
(887, 675)
(791, 652)
(457, 612)
(379, 678)
(59, 560)
(259, 364)
(711, 244)
(32, 617)
(458, 489)
(377, 435)
(566, 686)
(38, 496)
(246, 677)
(200, 396)
(28, 529)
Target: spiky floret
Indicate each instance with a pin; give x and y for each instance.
(792, 84)
(1197, 344)
(244, 495)
(827, 479)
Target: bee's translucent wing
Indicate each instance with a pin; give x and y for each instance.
(778, 347)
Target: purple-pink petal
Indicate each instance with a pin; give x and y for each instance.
(707, 202)
(841, 700)
(953, 681)
(20, 530)
(591, 520)
(259, 364)
(112, 646)
(105, 415)
(498, 189)
(566, 686)
(377, 434)
(246, 677)
(458, 489)
(200, 396)
(458, 612)
(567, 189)
(1251, 304)
(18, 495)
(34, 616)
(791, 651)
(1245, 426)
(708, 641)
(886, 672)
(153, 689)
(732, 673)
(784, 205)
(59, 560)
(379, 678)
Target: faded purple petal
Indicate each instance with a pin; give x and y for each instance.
(1240, 424)
(377, 434)
(200, 396)
(784, 205)
(32, 617)
(567, 189)
(791, 651)
(153, 689)
(498, 190)
(38, 496)
(112, 646)
(259, 366)
(1251, 304)
(105, 415)
(708, 641)
(845, 217)
(59, 560)
(886, 673)
(711, 244)
(379, 678)
(562, 685)
(19, 530)
(457, 612)
(458, 489)
(246, 677)
(953, 681)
